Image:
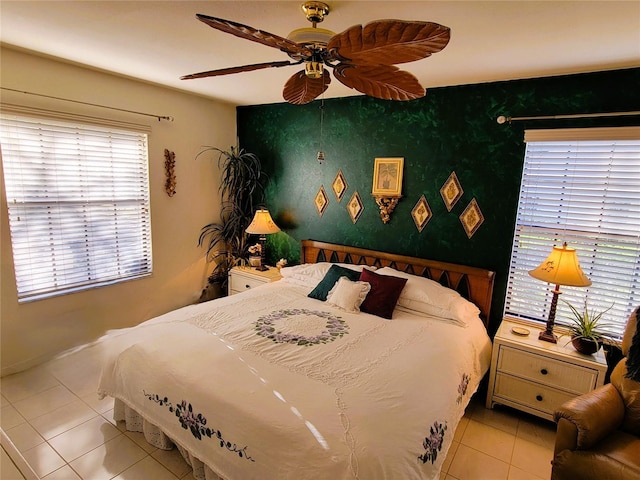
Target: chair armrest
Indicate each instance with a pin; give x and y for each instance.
(566, 436)
(589, 418)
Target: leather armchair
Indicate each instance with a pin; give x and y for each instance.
(598, 434)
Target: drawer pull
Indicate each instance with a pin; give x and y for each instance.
(539, 398)
(544, 371)
(247, 286)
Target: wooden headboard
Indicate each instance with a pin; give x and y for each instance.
(474, 284)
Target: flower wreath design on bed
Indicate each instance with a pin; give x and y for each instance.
(335, 327)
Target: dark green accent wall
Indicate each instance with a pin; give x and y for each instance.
(450, 129)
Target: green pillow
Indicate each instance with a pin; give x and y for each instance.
(331, 277)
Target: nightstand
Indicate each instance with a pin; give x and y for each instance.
(244, 278)
(536, 376)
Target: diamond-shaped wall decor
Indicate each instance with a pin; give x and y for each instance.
(451, 191)
(339, 185)
(421, 213)
(321, 201)
(355, 207)
(471, 218)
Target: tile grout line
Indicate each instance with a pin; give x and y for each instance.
(120, 434)
(98, 415)
(16, 457)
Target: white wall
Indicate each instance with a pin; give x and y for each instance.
(36, 331)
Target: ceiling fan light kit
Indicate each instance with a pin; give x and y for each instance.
(311, 36)
(362, 58)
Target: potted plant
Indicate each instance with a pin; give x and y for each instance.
(586, 329)
(255, 255)
(242, 185)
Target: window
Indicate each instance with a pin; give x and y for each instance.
(581, 186)
(78, 199)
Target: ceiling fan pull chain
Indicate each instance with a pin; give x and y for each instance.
(320, 156)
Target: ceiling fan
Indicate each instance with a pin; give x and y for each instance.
(362, 58)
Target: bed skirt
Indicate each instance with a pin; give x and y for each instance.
(134, 422)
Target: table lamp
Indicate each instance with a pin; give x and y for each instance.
(262, 224)
(560, 268)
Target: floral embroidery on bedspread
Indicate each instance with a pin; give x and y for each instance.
(433, 443)
(462, 388)
(335, 327)
(196, 423)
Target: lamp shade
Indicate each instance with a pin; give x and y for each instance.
(262, 223)
(561, 268)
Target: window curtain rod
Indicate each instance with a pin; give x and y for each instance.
(159, 117)
(502, 119)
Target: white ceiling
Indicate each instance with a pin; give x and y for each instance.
(158, 41)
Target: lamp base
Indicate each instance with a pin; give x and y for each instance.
(262, 268)
(548, 337)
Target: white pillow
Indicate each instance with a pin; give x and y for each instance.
(310, 274)
(427, 296)
(307, 274)
(348, 295)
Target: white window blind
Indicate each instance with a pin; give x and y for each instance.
(78, 199)
(581, 187)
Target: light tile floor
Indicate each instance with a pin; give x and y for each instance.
(55, 420)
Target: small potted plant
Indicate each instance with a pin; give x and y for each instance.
(586, 329)
(255, 252)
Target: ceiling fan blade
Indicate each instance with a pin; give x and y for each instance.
(244, 68)
(387, 82)
(301, 89)
(255, 35)
(388, 42)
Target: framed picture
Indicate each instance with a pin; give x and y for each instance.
(471, 218)
(321, 201)
(421, 213)
(387, 177)
(355, 207)
(451, 191)
(339, 185)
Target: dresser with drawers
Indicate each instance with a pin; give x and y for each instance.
(244, 278)
(536, 376)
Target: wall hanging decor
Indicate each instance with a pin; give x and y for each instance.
(386, 205)
(387, 185)
(169, 166)
(339, 185)
(421, 213)
(471, 218)
(387, 177)
(321, 201)
(451, 191)
(355, 207)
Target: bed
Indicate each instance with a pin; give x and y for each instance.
(356, 365)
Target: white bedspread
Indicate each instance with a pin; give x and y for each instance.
(270, 384)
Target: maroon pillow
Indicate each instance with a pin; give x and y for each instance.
(384, 293)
